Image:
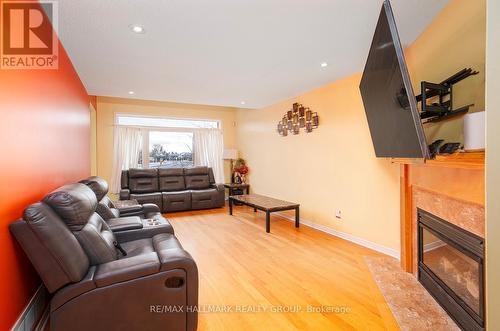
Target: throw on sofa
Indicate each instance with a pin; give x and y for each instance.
(173, 189)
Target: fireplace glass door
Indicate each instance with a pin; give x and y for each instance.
(451, 268)
(457, 270)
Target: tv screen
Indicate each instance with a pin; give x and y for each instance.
(388, 98)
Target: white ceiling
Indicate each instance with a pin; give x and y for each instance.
(222, 52)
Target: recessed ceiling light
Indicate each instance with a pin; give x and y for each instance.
(131, 92)
(243, 102)
(137, 28)
(324, 64)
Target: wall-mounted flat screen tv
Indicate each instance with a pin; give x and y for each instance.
(388, 98)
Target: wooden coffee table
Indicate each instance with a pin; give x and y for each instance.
(266, 204)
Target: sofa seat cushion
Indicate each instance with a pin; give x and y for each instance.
(176, 201)
(124, 223)
(203, 199)
(137, 247)
(126, 269)
(154, 198)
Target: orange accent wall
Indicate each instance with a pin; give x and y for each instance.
(45, 142)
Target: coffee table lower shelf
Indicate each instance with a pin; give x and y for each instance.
(267, 205)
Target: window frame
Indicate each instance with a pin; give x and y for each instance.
(145, 130)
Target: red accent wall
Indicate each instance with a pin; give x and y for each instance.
(45, 142)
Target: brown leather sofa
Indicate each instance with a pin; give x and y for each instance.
(173, 189)
(100, 282)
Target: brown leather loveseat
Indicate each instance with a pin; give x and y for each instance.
(173, 189)
(98, 281)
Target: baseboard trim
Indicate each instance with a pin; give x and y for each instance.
(346, 236)
(35, 314)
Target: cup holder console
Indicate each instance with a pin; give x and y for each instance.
(151, 222)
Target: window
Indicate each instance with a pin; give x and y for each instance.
(170, 149)
(166, 142)
(160, 122)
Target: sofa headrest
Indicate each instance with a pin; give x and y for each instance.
(74, 203)
(51, 247)
(196, 171)
(171, 172)
(98, 185)
(136, 173)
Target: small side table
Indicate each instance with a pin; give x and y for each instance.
(233, 186)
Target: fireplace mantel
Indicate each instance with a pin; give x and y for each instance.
(467, 160)
(453, 181)
(461, 160)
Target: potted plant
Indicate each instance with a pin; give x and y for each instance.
(241, 169)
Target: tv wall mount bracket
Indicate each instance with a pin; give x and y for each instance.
(437, 98)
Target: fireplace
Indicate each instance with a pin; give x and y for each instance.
(451, 268)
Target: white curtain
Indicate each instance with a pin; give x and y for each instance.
(126, 149)
(208, 145)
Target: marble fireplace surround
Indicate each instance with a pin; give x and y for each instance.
(450, 187)
(467, 215)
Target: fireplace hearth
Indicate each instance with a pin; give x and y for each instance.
(451, 268)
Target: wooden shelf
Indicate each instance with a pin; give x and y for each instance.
(466, 160)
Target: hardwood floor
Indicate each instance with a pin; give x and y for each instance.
(242, 266)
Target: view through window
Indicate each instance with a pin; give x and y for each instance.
(170, 149)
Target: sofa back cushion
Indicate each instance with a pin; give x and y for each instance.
(98, 185)
(97, 240)
(143, 180)
(74, 203)
(211, 176)
(171, 179)
(54, 251)
(197, 178)
(106, 209)
(124, 179)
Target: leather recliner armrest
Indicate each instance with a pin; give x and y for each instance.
(221, 198)
(176, 258)
(124, 194)
(130, 210)
(126, 269)
(219, 187)
(150, 208)
(125, 223)
(142, 211)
